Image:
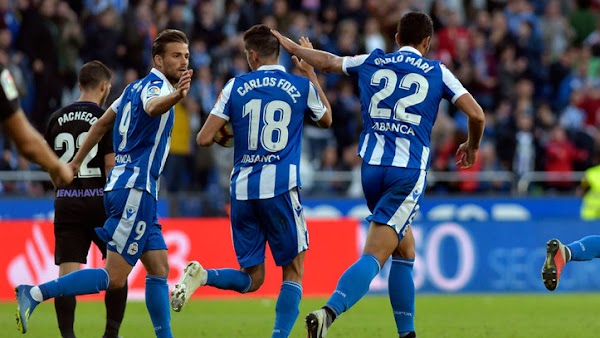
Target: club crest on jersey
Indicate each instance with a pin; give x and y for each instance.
(153, 91)
(133, 248)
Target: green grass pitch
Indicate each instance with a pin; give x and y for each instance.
(438, 316)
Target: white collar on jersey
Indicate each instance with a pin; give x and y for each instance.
(162, 77)
(272, 67)
(410, 49)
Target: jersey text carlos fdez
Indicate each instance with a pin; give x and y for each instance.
(266, 108)
(400, 94)
(141, 142)
(67, 128)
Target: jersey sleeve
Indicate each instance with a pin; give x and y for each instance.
(315, 104)
(9, 95)
(350, 64)
(115, 105)
(220, 108)
(152, 90)
(452, 87)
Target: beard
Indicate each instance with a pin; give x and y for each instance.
(173, 76)
(103, 100)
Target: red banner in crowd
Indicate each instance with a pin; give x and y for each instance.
(28, 255)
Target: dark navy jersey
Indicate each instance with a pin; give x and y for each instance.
(82, 199)
(400, 94)
(9, 96)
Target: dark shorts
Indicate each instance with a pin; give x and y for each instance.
(72, 242)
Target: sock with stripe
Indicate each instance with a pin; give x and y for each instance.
(157, 303)
(354, 284)
(585, 249)
(80, 282)
(287, 308)
(401, 289)
(229, 279)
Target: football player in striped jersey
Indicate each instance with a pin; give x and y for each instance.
(143, 118)
(266, 108)
(400, 93)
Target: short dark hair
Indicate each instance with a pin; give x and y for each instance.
(260, 39)
(167, 36)
(413, 27)
(92, 74)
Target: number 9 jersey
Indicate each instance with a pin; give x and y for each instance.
(400, 95)
(141, 142)
(266, 109)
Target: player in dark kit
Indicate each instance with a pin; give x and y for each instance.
(79, 206)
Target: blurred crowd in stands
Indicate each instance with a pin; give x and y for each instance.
(534, 66)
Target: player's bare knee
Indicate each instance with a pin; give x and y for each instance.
(117, 282)
(294, 272)
(160, 270)
(258, 280)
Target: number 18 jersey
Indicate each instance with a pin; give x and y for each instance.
(400, 94)
(266, 108)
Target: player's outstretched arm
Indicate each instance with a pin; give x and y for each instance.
(467, 152)
(32, 146)
(161, 104)
(309, 71)
(208, 131)
(323, 61)
(94, 135)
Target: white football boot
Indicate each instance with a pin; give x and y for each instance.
(317, 323)
(194, 276)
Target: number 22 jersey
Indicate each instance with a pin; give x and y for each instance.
(67, 128)
(400, 95)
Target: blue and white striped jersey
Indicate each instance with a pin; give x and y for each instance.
(141, 142)
(400, 94)
(266, 108)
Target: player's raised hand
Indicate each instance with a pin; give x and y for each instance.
(304, 67)
(466, 156)
(185, 81)
(285, 42)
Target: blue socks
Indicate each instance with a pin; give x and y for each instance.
(80, 282)
(585, 249)
(157, 303)
(287, 308)
(229, 279)
(401, 289)
(354, 283)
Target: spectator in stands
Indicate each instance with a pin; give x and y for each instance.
(38, 26)
(561, 156)
(554, 43)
